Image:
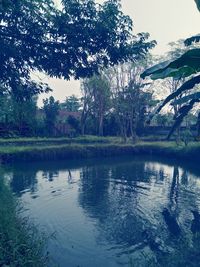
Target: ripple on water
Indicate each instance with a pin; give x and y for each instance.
(106, 214)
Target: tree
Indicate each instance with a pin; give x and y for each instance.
(51, 108)
(186, 65)
(24, 114)
(6, 111)
(71, 104)
(74, 41)
(98, 90)
(18, 113)
(131, 96)
(74, 123)
(86, 106)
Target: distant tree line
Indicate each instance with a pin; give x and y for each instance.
(116, 102)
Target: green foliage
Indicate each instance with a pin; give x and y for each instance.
(6, 111)
(71, 104)
(24, 114)
(188, 85)
(17, 114)
(193, 39)
(163, 119)
(75, 41)
(51, 109)
(87, 147)
(186, 98)
(74, 123)
(198, 4)
(20, 242)
(131, 96)
(22, 142)
(97, 97)
(186, 65)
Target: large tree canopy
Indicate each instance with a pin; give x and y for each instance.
(74, 41)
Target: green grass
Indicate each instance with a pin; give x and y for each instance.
(20, 242)
(109, 148)
(50, 141)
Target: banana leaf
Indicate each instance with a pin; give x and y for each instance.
(187, 98)
(182, 113)
(184, 71)
(155, 69)
(188, 85)
(193, 39)
(198, 4)
(190, 60)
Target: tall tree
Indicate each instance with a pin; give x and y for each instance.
(130, 95)
(18, 113)
(24, 114)
(6, 111)
(71, 104)
(76, 40)
(98, 88)
(51, 109)
(86, 106)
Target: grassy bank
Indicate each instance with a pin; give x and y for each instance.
(11, 153)
(20, 244)
(57, 141)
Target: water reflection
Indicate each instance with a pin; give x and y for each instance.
(141, 205)
(50, 175)
(22, 181)
(113, 210)
(110, 195)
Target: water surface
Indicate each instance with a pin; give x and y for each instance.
(110, 212)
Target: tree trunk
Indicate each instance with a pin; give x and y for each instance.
(124, 130)
(133, 126)
(198, 126)
(83, 121)
(134, 136)
(82, 128)
(100, 125)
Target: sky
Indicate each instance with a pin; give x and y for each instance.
(165, 20)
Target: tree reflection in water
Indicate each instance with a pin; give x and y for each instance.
(22, 181)
(137, 205)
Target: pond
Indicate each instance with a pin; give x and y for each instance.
(113, 212)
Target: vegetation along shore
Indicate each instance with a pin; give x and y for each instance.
(78, 148)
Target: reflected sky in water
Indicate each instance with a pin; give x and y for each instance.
(110, 212)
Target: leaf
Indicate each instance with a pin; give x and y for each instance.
(193, 39)
(190, 59)
(188, 85)
(184, 71)
(198, 4)
(155, 68)
(187, 98)
(182, 113)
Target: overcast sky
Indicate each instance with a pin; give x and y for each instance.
(165, 20)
